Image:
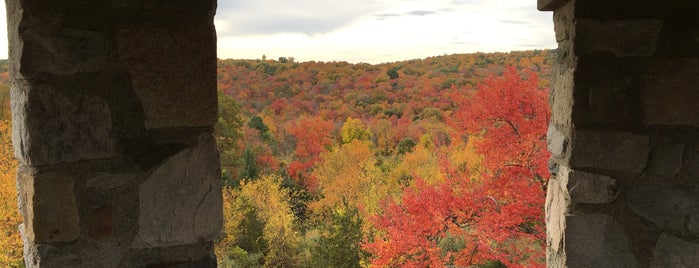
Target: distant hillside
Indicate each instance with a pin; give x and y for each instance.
(283, 87)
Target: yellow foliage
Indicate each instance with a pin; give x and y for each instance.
(463, 157)
(271, 204)
(231, 220)
(349, 172)
(10, 241)
(270, 123)
(421, 162)
(354, 129)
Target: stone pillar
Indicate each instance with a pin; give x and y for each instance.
(113, 105)
(624, 135)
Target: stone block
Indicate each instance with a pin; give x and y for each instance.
(549, 5)
(198, 7)
(180, 202)
(587, 188)
(673, 252)
(690, 163)
(605, 92)
(101, 223)
(610, 105)
(104, 254)
(564, 20)
(596, 240)
(561, 96)
(173, 73)
(553, 166)
(617, 151)
(621, 38)
(53, 126)
(556, 141)
(669, 92)
(666, 159)
(557, 205)
(48, 204)
(62, 51)
(671, 207)
(107, 181)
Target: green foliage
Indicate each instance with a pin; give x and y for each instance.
(239, 258)
(257, 123)
(493, 264)
(250, 170)
(228, 132)
(249, 236)
(448, 83)
(354, 129)
(4, 102)
(406, 145)
(339, 243)
(392, 73)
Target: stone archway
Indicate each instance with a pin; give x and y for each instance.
(113, 106)
(624, 134)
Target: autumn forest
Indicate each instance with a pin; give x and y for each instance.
(422, 163)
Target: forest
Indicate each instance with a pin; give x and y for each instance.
(429, 162)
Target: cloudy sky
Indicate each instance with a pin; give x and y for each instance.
(373, 31)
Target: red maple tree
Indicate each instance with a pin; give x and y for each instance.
(496, 217)
(312, 137)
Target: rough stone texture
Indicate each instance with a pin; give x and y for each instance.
(170, 84)
(670, 92)
(549, 5)
(556, 141)
(605, 91)
(561, 96)
(690, 163)
(62, 51)
(72, 127)
(557, 205)
(625, 86)
(587, 188)
(618, 151)
(48, 205)
(105, 254)
(101, 223)
(621, 38)
(672, 207)
(666, 159)
(180, 202)
(597, 241)
(108, 181)
(110, 99)
(672, 252)
(564, 28)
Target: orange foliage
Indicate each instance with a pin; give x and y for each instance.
(10, 241)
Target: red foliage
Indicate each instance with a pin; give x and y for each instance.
(497, 217)
(512, 114)
(313, 136)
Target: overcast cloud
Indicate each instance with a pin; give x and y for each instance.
(373, 31)
(377, 31)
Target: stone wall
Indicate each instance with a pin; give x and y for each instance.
(113, 105)
(624, 134)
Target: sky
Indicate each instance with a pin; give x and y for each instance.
(372, 31)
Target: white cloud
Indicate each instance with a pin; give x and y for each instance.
(244, 17)
(3, 32)
(372, 30)
(397, 30)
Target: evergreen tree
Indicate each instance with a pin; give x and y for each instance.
(339, 243)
